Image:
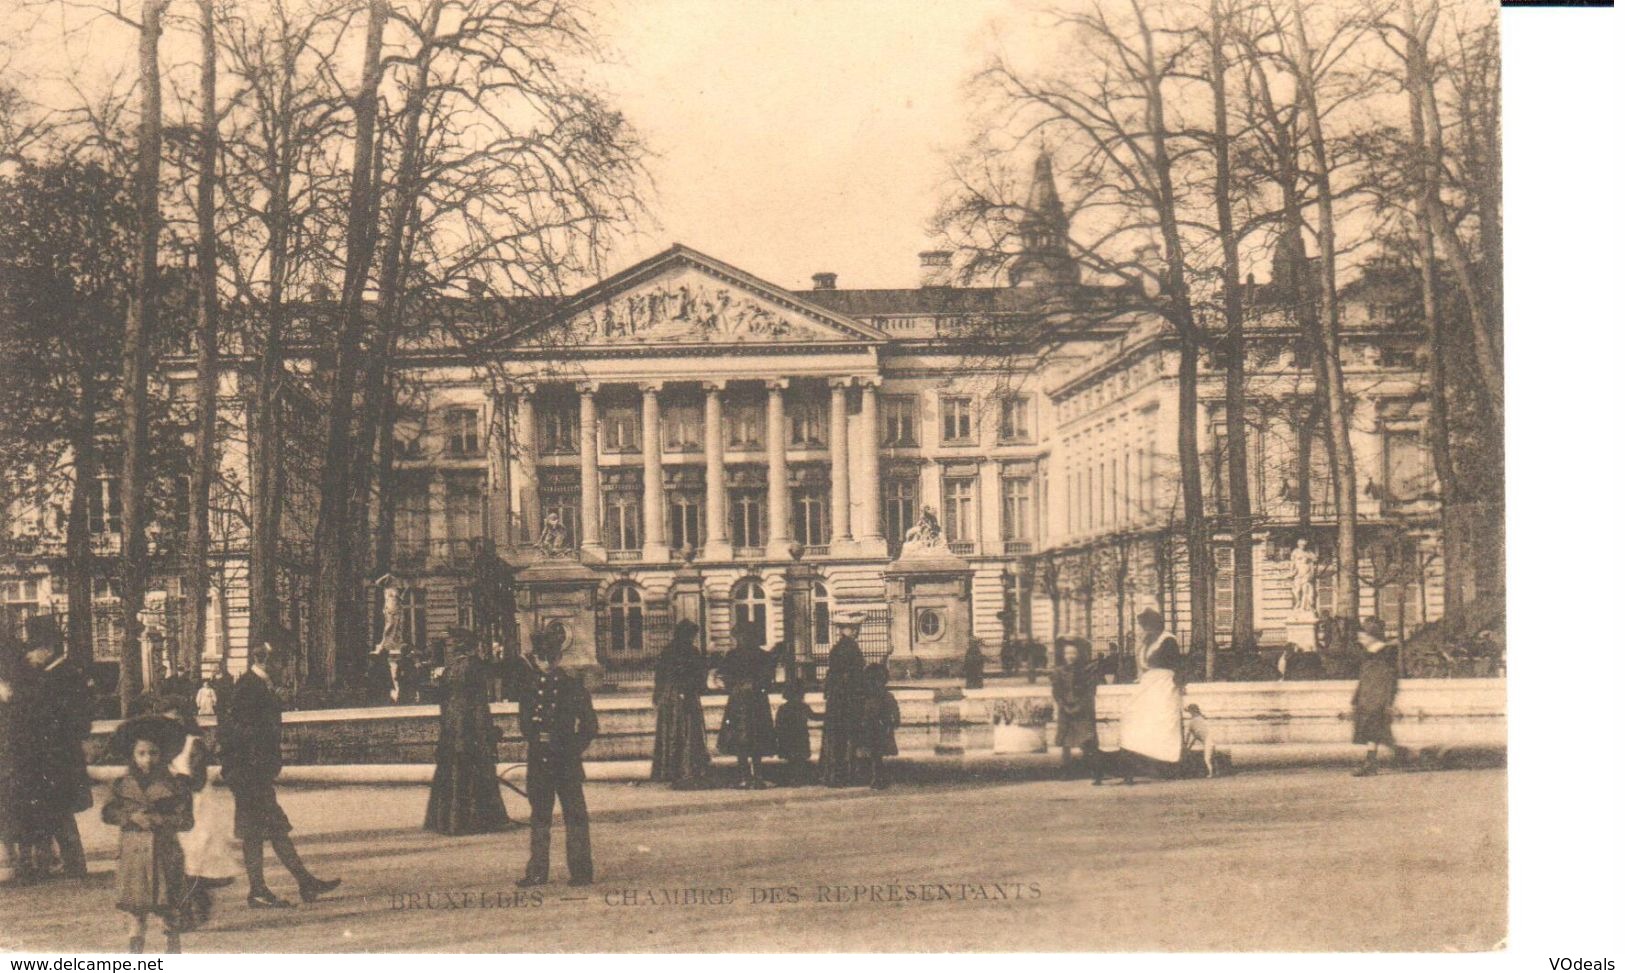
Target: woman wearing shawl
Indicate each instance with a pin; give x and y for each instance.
(465, 797)
(1153, 731)
(680, 756)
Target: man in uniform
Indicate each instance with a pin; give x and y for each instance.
(557, 720)
(250, 760)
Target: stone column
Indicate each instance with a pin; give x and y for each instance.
(592, 516)
(840, 493)
(778, 473)
(717, 547)
(499, 474)
(873, 540)
(526, 501)
(654, 485)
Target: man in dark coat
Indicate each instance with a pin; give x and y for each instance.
(250, 760)
(378, 680)
(56, 699)
(1374, 696)
(843, 704)
(557, 719)
(13, 827)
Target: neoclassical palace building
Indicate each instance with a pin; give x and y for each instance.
(685, 422)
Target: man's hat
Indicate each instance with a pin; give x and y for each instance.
(852, 618)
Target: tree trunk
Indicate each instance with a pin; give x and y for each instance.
(86, 467)
(140, 324)
(329, 632)
(1235, 374)
(199, 576)
(1329, 341)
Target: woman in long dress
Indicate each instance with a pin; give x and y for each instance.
(681, 757)
(1374, 696)
(465, 797)
(747, 723)
(1153, 734)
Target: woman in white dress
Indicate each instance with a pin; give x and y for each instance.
(1153, 732)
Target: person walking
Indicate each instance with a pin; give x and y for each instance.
(557, 719)
(1153, 734)
(1374, 696)
(465, 796)
(843, 704)
(250, 761)
(681, 757)
(52, 779)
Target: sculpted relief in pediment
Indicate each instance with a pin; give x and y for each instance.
(691, 308)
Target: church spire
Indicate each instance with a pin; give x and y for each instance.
(1044, 260)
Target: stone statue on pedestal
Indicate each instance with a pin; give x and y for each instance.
(394, 614)
(925, 535)
(1305, 573)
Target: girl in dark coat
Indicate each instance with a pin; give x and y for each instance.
(465, 797)
(843, 704)
(878, 723)
(1073, 686)
(791, 730)
(1374, 696)
(680, 756)
(150, 807)
(747, 723)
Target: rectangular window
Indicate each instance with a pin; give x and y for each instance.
(810, 507)
(959, 508)
(106, 507)
(559, 422)
(806, 423)
(1224, 592)
(566, 503)
(463, 432)
(465, 608)
(1015, 419)
(684, 426)
(415, 611)
(745, 517)
(621, 522)
(898, 421)
(686, 516)
(1406, 469)
(412, 522)
(745, 424)
(1018, 508)
(107, 634)
(620, 429)
(900, 497)
(958, 421)
(465, 512)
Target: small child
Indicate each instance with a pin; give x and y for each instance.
(790, 731)
(150, 808)
(879, 719)
(1198, 738)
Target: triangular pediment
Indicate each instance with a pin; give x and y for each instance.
(684, 298)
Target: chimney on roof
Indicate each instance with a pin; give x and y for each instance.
(824, 281)
(936, 268)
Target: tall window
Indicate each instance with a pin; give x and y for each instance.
(412, 521)
(1018, 508)
(107, 634)
(465, 607)
(463, 432)
(898, 421)
(561, 494)
(686, 520)
(958, 421)
(749, 613)
(900, 497)
(745, 422)
(559, 422)
(959, 508)
(1406, 470)
(106, 508)
(1015, 419)
(465, 512)
(621, 521)
(625, 622)
(684, 426)
(745, 516)
(811, 506)
(806, 422)
(823, 606)
(620, 429)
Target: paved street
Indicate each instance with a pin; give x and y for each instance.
(1269, 860)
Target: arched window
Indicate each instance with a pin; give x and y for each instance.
(749, 612)
(625, 623)
(823, 606)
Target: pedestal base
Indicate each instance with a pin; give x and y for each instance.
(560, 596)
(1301, 633)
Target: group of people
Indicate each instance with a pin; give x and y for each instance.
(860, 717)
